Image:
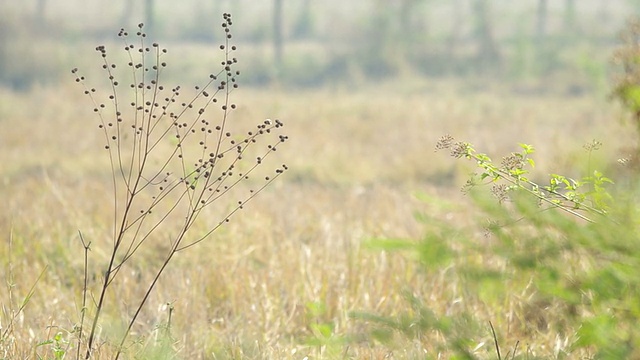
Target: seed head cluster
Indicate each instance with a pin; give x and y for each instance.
(173, 153)
(175, 141)
(514, 161)
(500, 191)
(457, 149)
(445, 142)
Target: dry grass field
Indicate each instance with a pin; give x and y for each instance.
(281, 280)
(365, 247)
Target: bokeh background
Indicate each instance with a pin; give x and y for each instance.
(365, 89)
(308, 43)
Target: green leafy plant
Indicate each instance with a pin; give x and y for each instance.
(563, 255)
(175, 165)
(58, 344)
(440, 333)
(576, 197)
(627, 86)
(323, 335)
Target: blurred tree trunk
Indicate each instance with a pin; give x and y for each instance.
(379, 45)
(635, 6)
(204, 17)
(304, 23)
(604, 13)
(542, 48)
(541, 22)
(127, 10)
(409, 13)
(488, 55)
(149, 12)
(41, 8)
(278, 42)
(411, 33)
(569, 22)
(456, 26)
(406, 29)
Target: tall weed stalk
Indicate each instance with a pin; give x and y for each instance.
(174, 163)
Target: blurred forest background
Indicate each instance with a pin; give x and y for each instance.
(304, 43)
(366, 88)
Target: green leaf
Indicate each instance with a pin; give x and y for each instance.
(631, 96)
(435, 252)
(483, 158)
(324, 330)
(392, 244)
(316, 308)
(528, 149)
(596, 331)
(43, 343)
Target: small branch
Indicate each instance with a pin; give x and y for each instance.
(495, 340)
(83, 312)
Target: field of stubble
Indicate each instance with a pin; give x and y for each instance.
(297, 257)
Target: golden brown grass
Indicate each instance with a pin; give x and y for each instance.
(356, 156)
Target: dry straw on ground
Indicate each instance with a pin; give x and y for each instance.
(254, 290)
